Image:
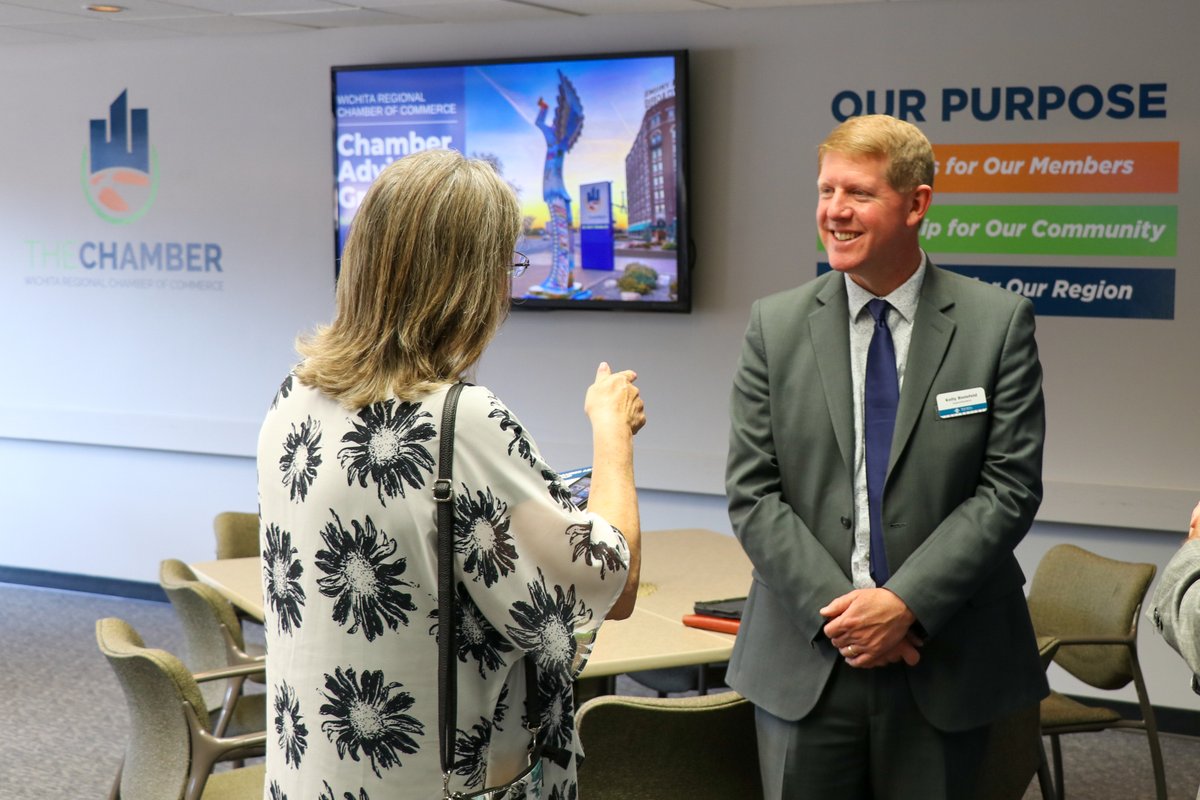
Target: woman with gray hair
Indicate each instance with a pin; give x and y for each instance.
(347, 460)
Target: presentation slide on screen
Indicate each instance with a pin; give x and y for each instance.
(589, 147)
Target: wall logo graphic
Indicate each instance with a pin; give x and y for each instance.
(120, 169)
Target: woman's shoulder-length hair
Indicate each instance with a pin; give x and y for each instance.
(424, 281)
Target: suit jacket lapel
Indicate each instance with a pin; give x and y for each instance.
(829, 326)
(932, 331)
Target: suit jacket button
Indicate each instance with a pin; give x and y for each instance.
(846, 523)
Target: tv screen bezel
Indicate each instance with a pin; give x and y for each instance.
(685, 252)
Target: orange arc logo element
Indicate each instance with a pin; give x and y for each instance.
(119, 195)
(109, 198)
(132, 177)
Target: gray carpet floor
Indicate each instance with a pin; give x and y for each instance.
(63, 721)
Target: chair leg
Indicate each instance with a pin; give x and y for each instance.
(1045, 783)
(1160, 776)
(1056, 753)
(1156, 759)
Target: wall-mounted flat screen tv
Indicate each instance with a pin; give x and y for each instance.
(594, 146)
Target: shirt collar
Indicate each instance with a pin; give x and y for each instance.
(904, 298)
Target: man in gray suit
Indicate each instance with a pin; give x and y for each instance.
(886, 628)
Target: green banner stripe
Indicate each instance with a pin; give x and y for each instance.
(1052, 230)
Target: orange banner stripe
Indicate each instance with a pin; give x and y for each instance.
(1059, 167)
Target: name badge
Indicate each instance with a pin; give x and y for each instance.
(961, 403)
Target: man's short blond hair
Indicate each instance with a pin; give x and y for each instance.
(424, 281)
(901, 144)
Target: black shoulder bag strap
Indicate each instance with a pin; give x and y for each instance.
(443, 492)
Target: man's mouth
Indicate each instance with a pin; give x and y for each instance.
(845, 236)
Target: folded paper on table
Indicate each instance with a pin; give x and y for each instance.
(729, 608)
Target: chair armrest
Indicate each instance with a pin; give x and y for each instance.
(235, 654)
(1047, 647)
(225, 673)
(1069, 641)
(208, 750)
(246, 745)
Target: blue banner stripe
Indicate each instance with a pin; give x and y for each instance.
(1114, 292)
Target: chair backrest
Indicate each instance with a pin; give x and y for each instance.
(237, 534)
(157, 689)
(1078, 594)
(206, 616)
(700, 747)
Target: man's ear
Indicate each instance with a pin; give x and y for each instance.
(922, 197)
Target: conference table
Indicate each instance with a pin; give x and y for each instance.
(679, 567)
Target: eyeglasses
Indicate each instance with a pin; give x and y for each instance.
(520, 264)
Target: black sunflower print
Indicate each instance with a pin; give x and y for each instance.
(387, 448)
(368, 716)
(471, 751)
(301, 457)
(478, 638)
(363, 578)
(282, 578)
(481, 535)
(558, 492)
(329, 794)
(508, 422)
(546, 625)
(289, 725)
(284, 390)
(558, 717)
(602, 553)
(501, 708)
(276, 792)
(568, 790)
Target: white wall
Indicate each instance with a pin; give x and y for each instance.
(254, 110)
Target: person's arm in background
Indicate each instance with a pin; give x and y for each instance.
(614, 406)
(1175, 609)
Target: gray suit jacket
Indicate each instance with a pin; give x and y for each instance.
(1175, 609)
(960, 494)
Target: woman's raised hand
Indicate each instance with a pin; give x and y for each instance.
(613, 400)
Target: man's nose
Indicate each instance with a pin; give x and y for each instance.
(838, 207)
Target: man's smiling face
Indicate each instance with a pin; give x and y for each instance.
(867, 227)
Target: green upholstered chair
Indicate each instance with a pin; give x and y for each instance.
(237, 537)
(1091, 605)
(171, 751)
(700, 747)
(214, 641)
(237, 534)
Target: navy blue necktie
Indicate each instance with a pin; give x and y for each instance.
(882, 393)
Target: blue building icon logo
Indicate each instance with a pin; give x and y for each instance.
(120, 169)
(593, 198)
